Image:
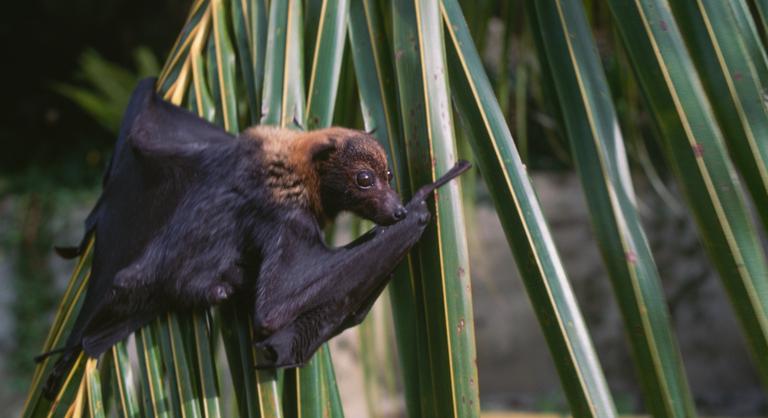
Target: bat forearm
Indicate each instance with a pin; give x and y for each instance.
(348, 275)
(335, 291)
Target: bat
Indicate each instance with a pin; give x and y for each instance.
(191, 216)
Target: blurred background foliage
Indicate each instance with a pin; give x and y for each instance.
(65, 94)
(72, 43)
(80, 60)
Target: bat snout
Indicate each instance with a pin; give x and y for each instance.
(389, 209)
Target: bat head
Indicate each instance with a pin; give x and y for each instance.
(353, 176)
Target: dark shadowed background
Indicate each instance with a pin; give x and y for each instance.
(54, 150)
(43, 42)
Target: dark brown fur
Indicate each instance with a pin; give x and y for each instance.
(316, 170)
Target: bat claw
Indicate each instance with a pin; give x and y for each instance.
(279, 350)
(220, 292)
(266, 356)
(298, 123)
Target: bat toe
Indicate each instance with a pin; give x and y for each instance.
(270, 357)
(266, 356)
(279, 350)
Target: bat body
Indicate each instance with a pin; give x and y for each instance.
(190, 216)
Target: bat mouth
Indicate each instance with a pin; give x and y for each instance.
(382, 207)
(396, 215)
(390, 212)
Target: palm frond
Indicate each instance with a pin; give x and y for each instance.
(409, 68)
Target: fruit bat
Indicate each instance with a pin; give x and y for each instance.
(191, 216)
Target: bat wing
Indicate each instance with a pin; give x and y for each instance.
(159, 130)
(104, 330)
(162, 137)
(162, 154)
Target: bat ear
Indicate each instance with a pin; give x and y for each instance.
(323, 150)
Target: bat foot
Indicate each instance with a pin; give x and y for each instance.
(262, 364)
(278, 351)
(267, 357)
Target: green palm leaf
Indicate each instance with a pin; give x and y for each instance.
(93, 386)
(127, 402)
(695, 149)
(598, 149)
(410, 63)
(725, 48)
(376, 83)
(154, 397)
(326, 63)
(443, 288)
(523, 222)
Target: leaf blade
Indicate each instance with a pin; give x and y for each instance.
(733, 68)
(695, 149)
(592, 128)
(442, 251)
(326, 64)
(376, 85)
(524, 225)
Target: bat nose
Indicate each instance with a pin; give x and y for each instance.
(400, 213)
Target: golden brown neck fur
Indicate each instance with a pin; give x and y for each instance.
(291, 174)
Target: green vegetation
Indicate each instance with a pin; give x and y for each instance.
(625, 81)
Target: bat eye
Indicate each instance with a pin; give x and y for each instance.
(364, 179)
(389, 175)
